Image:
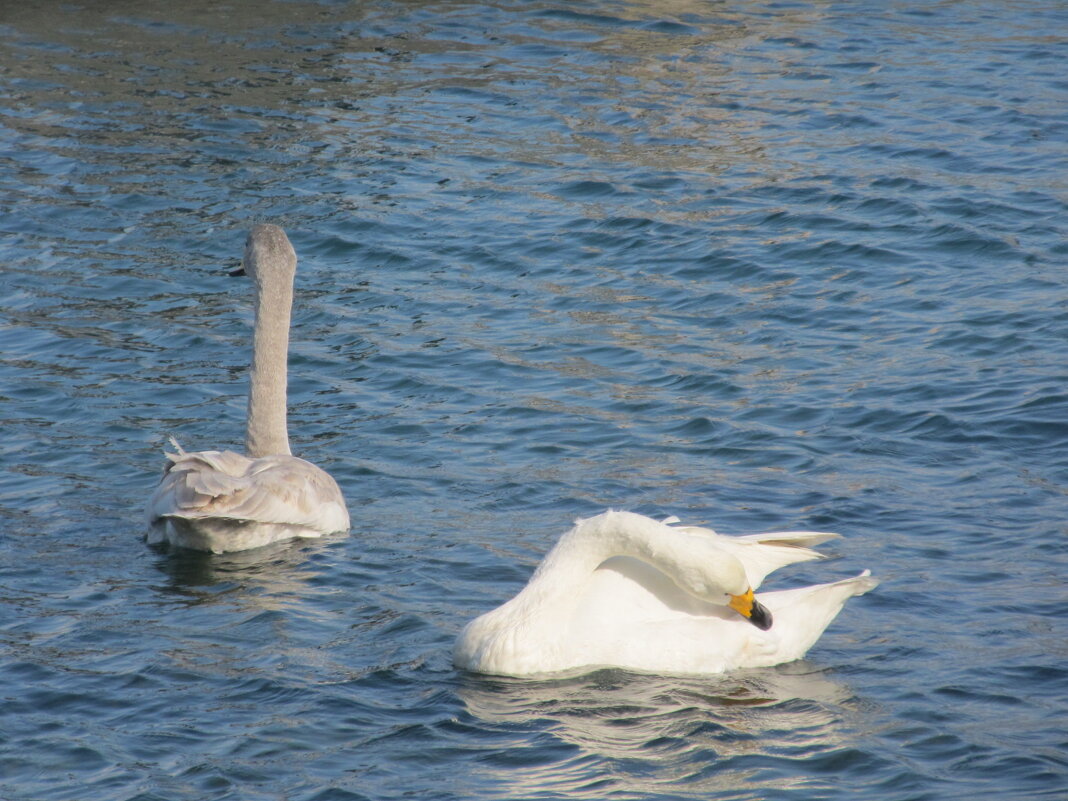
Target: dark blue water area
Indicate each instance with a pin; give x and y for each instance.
(769, 265)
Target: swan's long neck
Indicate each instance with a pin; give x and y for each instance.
(266, 433)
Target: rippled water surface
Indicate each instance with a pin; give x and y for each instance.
(760, 265)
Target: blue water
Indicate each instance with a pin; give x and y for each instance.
(760, 265)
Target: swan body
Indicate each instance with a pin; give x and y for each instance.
(623, 590)
(222, 501)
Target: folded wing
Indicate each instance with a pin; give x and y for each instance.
(223, 485)
(762, 554)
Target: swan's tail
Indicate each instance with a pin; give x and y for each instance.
(802, 614)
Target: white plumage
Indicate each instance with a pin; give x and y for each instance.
(627, 591)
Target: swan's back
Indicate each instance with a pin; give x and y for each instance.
(222, 501)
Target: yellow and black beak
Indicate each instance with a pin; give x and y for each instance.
(751, 609)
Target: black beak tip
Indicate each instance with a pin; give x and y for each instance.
(235, 269)
(761, 616)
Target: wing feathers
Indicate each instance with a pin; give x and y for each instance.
(761, 554)
(225, 485)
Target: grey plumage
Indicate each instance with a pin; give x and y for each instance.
(223, 501)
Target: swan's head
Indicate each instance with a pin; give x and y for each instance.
(719, 578)
(268, 253)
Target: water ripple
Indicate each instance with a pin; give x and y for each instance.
(764, 266)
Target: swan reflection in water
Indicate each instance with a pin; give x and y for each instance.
(248, 612)
(270, 577)
(636, 734)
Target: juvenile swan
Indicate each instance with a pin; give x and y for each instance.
(221, 501)
(626, 591)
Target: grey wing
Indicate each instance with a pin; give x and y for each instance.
(225, 485)
(198, 484)
(285, 489)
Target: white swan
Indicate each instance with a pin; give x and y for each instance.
(222, 501)
(627, 591)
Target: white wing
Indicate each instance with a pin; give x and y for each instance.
(763, 553)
